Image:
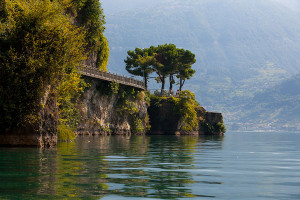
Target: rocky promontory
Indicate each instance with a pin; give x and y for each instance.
(183, 116)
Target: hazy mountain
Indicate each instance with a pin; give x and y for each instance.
(242, 47)
(277, 107)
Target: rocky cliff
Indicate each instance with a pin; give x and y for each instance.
(110, 108)
(107, 108)
(211, 123)
(40, 132)
(169, 116)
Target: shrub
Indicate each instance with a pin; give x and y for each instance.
(39, 47)
(89, 14)
(187, 107)
(114, 87)
(216, 128)
(65, 133)
(69, 91)
(141, 96)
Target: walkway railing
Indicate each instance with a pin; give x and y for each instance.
(95, 73)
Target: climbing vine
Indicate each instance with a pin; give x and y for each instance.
(128, 105)
(69, 92)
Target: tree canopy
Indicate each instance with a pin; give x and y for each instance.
(139, 63)
(166, 60)
(40, 46)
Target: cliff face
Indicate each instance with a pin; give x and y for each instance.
(211, 123)
(165, 119)
(105, 111)
(103, 108)
(42, 132)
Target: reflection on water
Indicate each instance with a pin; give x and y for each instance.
(162, 167)
(154, 173)
(25, 172)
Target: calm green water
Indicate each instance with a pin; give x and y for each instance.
(237, 166)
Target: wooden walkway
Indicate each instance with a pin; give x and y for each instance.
(95, 73)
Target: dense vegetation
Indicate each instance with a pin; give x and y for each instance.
(40, 50)
(89, 14)
(39, 46)
(185, 106)
(166, 60)
(182, 113)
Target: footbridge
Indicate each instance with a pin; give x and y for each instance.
(107, 76)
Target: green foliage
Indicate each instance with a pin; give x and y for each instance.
(139, 62)
(114, 87)
(141, 96)
(185, 106)
(156, 100)
(126, 93)
(39, 47)
(108, 88)
(221, 127)
(166, 60)
(69, 91)
(130, 108)
(217, 128)
(106, 128)
(136, 123)
(89, 14)
(128, 105)
(137, 126)
(65, 133)
(147, 98)
(103, 54)
(173, 61)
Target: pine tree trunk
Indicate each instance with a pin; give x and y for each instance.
(163, 80)
(171, 84)
(146, 83)
(180, 85)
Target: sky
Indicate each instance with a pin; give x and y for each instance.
(292, 4)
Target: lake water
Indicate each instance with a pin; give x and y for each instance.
(236, 166)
